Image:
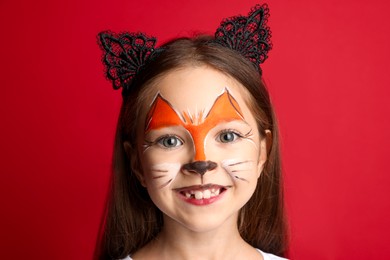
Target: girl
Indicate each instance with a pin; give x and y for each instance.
(196, 166)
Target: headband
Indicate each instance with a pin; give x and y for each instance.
(125, 54)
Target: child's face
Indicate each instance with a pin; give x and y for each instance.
(200, 148)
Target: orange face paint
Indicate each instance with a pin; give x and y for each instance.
(162, 114)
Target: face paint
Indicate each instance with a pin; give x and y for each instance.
(164, 173)
(236, 168)
(199, 148)
(162, 114)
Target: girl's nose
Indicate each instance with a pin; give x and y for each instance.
(199, 167)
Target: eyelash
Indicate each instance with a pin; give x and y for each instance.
(159, 141)
(227, 131)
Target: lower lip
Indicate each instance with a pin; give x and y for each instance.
(202, 202)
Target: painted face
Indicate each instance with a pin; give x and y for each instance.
(201, 152)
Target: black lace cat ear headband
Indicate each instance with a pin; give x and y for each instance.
(126, 54)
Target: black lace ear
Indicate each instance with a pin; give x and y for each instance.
(248, 35)
(124, 56)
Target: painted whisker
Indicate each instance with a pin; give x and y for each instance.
(245, 170)
(240, 178)
(165, 184)
(237, 163)
(158, 170)
(158, 177)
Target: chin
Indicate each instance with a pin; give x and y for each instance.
(206, 223)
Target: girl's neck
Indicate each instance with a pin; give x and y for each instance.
(178, 242)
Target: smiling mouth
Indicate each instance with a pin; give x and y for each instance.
(200, 192)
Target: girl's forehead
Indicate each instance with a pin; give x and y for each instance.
(195, 89)
(192, 93)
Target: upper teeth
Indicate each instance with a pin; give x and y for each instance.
(205, 194)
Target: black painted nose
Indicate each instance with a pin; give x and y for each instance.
(200, 167)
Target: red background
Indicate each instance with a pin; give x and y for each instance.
(328, 75)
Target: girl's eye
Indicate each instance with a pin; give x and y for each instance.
(169, 141)
(228, 137)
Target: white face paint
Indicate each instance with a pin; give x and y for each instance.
(239, 168)
(164, 173)
(200, 115)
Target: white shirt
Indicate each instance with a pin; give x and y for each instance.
(266, 256)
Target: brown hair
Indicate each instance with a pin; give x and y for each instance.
(131, 219)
